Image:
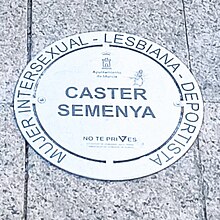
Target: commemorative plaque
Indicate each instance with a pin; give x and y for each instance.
(109, 106)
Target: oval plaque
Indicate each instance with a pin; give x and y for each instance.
(108, 106)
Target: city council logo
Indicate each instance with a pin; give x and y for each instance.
(106, 61)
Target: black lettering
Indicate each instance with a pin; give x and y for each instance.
(59, 154)
(23, 104)
(124, 93)
(27, 123)
(156, 52)
(105, 39)
(92, 112)
(190, 96)
(86, 92)
(81, 42)
(65, 47)
(68, 92)
(131, 41)
(26, 85)
(90, 138)
(124, 113)
(194, 106)
(22, 111)
(43, 60)
(174, 66)
(168, 158)
(179, 143)
(73, 43)
(188, 86)
(117, 38)
(52, 53)
(21, 94)
(157, 160)
(105, 110)
(122, 138)
(50, 148)
(37, 67)
(192, 117)
(112, 92)
(148, 48)
(165, 56)
(186, 138)
(33, 132)
(75, 109)
(148, 111)
(41, 137)
(63, 110)
(189, 128)
(139, 92)
(172, 147)
(135, 111)
(141, 45)
(100, 91)
(28, 75)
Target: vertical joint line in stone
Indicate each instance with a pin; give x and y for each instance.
(29, 30)
(197, 143)
(186, 34)
(203, 184)
(29, 51)
(26, 182)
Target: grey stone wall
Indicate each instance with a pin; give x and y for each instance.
(31, 188)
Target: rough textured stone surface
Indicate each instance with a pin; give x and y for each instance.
(53, 20)
(12, 46)
(12, 61)
(210, 158)
(160, 21)
(163, 23)
(204, 34)
(11, 166)
(174, 193)
(171, 194)
(189, 189)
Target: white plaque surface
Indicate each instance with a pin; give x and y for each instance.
(108, 106)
